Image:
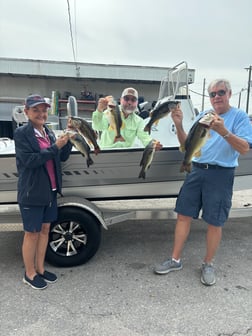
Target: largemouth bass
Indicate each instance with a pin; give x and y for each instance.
(160, 111)
(115, 119)
(83, 127)
(81, 145)
(147, 158)
(196, 138)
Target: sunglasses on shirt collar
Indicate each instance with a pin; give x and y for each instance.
(220, 93)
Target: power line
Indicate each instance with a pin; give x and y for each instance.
(197, 93)
(72, 40)
(75, 28)
(206, 95)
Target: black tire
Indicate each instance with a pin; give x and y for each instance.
(74, 238)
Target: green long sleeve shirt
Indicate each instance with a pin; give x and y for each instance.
(132, 129)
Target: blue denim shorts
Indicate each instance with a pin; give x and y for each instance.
(209, 190)
(34, 216)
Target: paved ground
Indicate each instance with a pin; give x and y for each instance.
(117, 294)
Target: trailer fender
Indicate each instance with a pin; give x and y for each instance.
(83, 204)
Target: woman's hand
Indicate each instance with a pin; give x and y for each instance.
(62, 140)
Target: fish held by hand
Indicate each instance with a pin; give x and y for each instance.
(83, 127)
(196, 138)
(160, 111)
(81, 145)
(115, 119)
(147, 158)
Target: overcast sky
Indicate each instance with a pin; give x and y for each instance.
(213, 37)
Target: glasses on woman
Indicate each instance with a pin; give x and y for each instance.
(220, 93)
(130, 98)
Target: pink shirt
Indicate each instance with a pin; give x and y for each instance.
(44, 142)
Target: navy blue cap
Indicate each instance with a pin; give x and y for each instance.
(35, 100)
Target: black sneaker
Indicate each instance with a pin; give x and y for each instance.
(36, 283)
(48, 276)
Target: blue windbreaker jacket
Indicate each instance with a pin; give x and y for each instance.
(34, 187)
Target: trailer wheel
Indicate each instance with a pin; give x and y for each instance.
(74, 238)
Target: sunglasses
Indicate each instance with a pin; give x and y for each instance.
(132, 99)
(220, 93)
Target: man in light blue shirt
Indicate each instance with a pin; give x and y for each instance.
(236, 122)
(209, 186)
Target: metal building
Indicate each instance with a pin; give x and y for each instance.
(21, 77)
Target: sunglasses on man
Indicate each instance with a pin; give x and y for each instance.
(220, 93)
(130, 98)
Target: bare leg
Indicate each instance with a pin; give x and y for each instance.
(41, 247)
(181, 233)
(213, 238)
(29, 253)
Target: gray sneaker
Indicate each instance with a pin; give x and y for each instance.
(167, 266)
(207, 274)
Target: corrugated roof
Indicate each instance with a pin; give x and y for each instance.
(29, 67)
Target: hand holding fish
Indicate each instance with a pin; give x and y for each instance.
(177, 116)
(62, 141)
(218, 125)
(158, 145)
(103, 103)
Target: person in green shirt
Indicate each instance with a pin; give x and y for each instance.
(132, 124)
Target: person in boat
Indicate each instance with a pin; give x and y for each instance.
(209, 186)
(38, 156)
(131, 127)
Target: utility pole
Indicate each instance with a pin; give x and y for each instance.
(203, 95)
(239, 101)
(249, 85)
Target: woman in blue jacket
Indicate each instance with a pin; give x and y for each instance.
(38, 157)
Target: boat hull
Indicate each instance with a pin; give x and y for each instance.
(114, 175)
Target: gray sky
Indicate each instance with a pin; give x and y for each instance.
(213, 37)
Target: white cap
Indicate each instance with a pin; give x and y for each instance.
(130, 92)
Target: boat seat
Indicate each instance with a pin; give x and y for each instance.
(19, 116)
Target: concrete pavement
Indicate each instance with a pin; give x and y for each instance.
(117, 294)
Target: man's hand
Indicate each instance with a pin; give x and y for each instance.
(218, 125)
(158, 145)
(177, 116)
(103, 103)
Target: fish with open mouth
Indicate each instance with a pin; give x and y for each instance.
(83, 127)
(196, 138)
(147, 158)
(160, 111)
